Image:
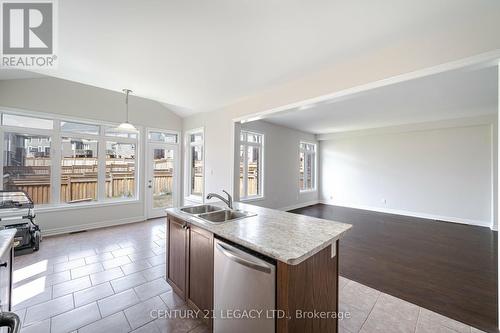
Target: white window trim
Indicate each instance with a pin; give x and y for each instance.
(187, 159)
(315, 170)
(56, 155)
(260, 196)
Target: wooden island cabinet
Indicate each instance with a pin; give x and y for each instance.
(310, 286)
(190, 264)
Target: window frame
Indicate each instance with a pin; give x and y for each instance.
(314, 174)
(247, 144)
(56, 156)
(187, 159)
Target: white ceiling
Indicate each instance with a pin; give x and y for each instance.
(201, 55)
(455, 94)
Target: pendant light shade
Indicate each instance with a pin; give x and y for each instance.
(127, 126)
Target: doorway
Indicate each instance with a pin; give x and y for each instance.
(162, 178)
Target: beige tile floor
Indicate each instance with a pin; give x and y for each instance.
(109, 280)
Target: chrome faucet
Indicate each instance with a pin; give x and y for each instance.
(228, 201)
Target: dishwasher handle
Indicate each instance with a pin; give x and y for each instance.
(243, 261)
(10, 320)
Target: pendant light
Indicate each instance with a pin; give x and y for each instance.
(126, 126)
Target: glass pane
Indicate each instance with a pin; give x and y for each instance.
(197, 137)
(115, 132)
(163, 176)
(253, 172)
(313, 172)
(197, 170)
(67, 126)
(301, 171)
(26, 165)
(242, 167)
(78, 170)
(23, 121)
(252, 137)
(163, 137)
(120, 170)
(309, 171)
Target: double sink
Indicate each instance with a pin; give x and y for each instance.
(216, 214)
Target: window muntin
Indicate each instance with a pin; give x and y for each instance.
(195, 163)
(307, 166)
(79, 170)
(27, 165)
(26, 121)
(251, 180)
(81, 128)
(120, 170)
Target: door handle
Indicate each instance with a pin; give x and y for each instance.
(4, 264)
(245, 262)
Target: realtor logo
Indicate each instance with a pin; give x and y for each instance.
(28, 34)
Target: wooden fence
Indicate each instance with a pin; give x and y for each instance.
(79, 180)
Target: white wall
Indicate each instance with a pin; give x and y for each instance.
(281, 166)
(61, 97)
(442, 173)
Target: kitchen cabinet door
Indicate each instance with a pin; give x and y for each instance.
(200, 270)
(177, 238)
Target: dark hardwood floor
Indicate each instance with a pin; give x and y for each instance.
(445, 267)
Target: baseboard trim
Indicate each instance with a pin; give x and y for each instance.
(299, 205)
(90, 226)
(453, 219)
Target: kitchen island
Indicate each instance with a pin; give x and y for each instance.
(303, 249)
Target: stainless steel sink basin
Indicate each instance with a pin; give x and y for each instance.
(225, 215)
(195, 210)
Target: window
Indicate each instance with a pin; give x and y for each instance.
(61, 161)
(307, 171)
(27, 122)
(113, 131)
(251, 155)
(67, 126)
(162, 137)
(195, 159)
(79, 167)
(25, 168)
(120, 170)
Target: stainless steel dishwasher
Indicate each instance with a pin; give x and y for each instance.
(244, 291)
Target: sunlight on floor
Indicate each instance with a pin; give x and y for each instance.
(30, 271)
(28, 290)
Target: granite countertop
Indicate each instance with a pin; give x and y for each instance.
(287, 237)
(6, 240)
